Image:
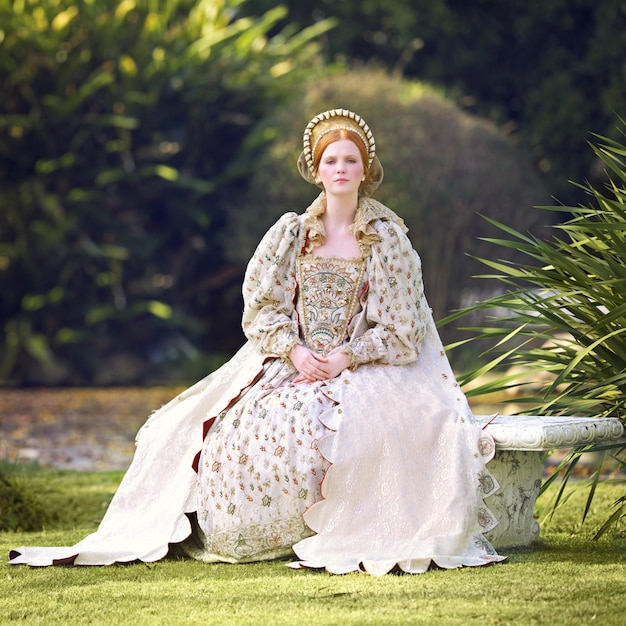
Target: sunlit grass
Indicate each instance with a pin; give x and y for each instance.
(566, 578)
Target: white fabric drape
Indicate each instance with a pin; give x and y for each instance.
(406, 478)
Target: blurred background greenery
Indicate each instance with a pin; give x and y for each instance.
(145, 146)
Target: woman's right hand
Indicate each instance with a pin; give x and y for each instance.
(310, 365)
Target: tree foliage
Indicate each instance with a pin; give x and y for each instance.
(551, 70)
(122, 125)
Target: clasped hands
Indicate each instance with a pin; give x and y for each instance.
(312, 366)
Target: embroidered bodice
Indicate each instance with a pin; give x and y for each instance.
(387, 321)
(329, 291)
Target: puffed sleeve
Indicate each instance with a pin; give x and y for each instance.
(269, 290)
(396, 310)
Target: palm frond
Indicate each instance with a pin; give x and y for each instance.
(556, 331)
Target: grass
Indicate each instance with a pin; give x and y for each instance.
(566, 578)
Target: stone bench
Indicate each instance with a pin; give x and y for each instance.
(521, 442)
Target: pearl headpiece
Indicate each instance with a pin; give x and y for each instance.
(331, 120)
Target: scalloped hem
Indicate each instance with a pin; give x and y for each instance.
(408, 566)
(315, 516)
(69, 556)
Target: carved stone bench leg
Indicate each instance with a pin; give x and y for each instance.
(519, 474)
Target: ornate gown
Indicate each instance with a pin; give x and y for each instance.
(380, 467)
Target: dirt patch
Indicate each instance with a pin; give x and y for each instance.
(76, 428)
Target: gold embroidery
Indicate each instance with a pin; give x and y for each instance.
(329, 290)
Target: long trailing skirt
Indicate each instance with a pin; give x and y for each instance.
(378, 468)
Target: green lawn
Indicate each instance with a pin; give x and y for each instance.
(566, 578)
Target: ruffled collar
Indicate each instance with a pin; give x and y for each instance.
(313, 233)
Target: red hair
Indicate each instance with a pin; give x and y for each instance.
(336, 135)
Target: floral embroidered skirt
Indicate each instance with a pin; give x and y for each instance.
(260, 469)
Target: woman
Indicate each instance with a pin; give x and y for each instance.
(338, 431)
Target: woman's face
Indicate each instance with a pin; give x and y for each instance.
(341, 168)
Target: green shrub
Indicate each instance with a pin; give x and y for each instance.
(20, 508)
(551, 70)
(442, 169)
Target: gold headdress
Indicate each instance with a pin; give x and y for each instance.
(331, 120)
(336, 119)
